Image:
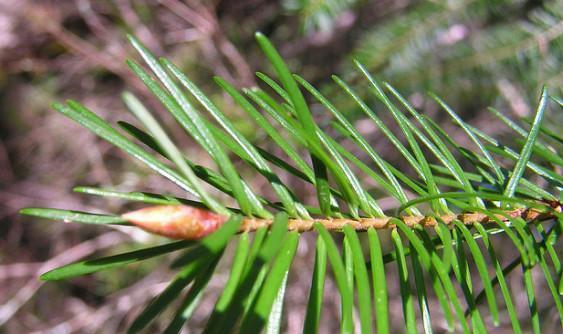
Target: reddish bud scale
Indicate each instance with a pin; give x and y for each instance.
(176, 221)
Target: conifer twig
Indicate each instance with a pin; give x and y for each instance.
(187, 222)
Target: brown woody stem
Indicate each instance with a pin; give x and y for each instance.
(362, 224)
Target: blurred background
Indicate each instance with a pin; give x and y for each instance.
(473, 54)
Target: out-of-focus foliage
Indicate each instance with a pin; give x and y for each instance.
(318, 15)
(475, 51)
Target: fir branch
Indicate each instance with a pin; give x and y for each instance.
(186, 222)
